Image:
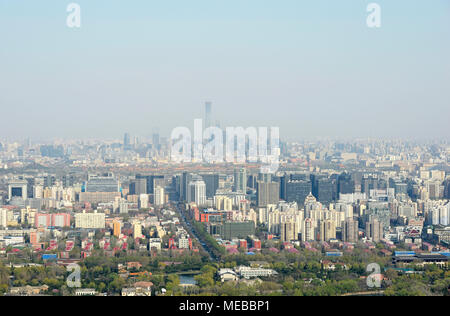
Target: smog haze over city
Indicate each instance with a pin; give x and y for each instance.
(311, 67)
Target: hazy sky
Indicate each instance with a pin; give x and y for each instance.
(311, 67)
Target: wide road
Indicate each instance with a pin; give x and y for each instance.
(191, 230)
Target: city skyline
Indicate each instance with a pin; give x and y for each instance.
(224, 155)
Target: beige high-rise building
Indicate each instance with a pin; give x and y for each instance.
(327, 230)
(289, 230)
(374, 230)
(137, 229)
(350, 231)
(159, 197)
(308, 230)
(143, 201)
(223, 203)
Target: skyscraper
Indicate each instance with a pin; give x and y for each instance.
(267, 193)
(208, 115)
(184, 184)
(308, 230)
(138, 186)
(327, 230)
(350, 231)
(324, 189)
(151, 180)
(297, 191)
(197, 191)
(374, 230)
(346, 184)
(288, 230)
(126, 141)
(211, 182)
(159, 198)
(240, 180)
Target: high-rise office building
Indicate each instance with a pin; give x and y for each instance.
(31, 182)
(152, 181)
(159, 197)
(240, 180)
(324, 189)
(184, 185)
(208, 114)
(297, 191)
(291, 177)
(283, 180)
(197, 191)
(350, 231)
(346, 184)
(126, 141)
(138, 186)
(212, 183)
(374, 230)
(372, 182)
(267, 193)
(252, 181)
